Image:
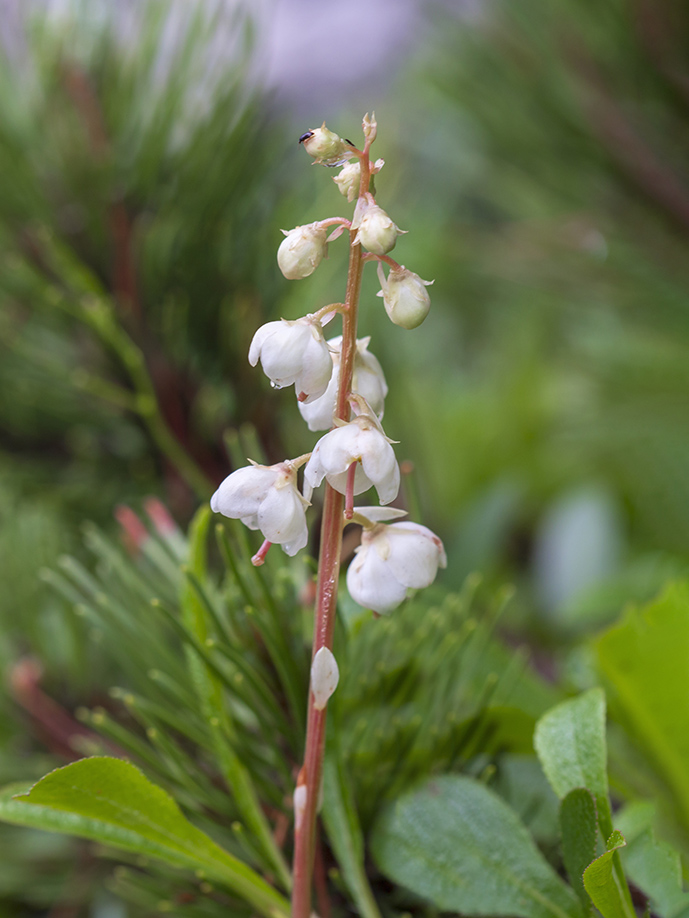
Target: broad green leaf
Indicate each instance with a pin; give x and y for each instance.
(644, 659)
(602, 884)
(654, 866)
(456, 843)
(578, 828)
(570, 743)
(112, 802)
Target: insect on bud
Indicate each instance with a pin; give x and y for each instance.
(326, 147)
(405, 296)
(376, 231)
(302, 250)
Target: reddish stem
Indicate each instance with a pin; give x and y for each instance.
(326, 590)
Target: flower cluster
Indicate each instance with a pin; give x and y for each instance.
(341, 389)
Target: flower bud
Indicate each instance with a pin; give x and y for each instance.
(325, 146)
(376, 231)
(324, 677)
(302, 250)
(406, 300)
(348, 180)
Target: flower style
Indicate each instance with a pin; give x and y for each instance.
(266, 497)
(375, 230)
(302, 250)
(390, 560)
(294, 352)
(361, 441)
(367, 380)
(406, 300)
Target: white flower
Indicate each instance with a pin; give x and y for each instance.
(390, 560)
(294, 352)
(363, 441)
(325, 146)
(367, 380)
(324, 677)
(405, 296)
(266, 497)
(375, 230)
(302, 250)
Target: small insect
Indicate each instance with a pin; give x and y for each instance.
(305, 136)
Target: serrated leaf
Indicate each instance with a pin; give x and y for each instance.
(456, 843)
(578, 828)
(601, 883)
(570, 743)
(111, 801)
(644, 660)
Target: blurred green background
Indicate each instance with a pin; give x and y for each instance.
(536, 153)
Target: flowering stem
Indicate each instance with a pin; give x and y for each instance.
(326, 591)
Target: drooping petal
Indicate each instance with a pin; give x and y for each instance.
(371, 583)
(380, 465)
(281, 516)
(241, 493)
(415, 554)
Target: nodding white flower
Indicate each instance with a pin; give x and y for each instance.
(390, 560)
(266, 497)
(363, 441)
(294, 352)
(302, 250)
(367, 380)
(405, 296)
(325, 146)
(375, 230)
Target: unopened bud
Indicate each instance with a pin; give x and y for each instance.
(348, 180)
(405, 296)
(370, 127)
(376, 231)
(302, 250)
(324, 677)
(299, 801)
(325, 146)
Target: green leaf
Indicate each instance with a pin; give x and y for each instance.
(654, 866)
(344, 833)
(602, 884)
(645, 661)
(112, 802)
(458, 844)
(570, 743)
(579, 828)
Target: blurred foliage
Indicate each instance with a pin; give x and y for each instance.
(537, 155)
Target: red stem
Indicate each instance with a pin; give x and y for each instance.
(326, 590)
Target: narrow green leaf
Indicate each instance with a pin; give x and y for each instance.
(458, 844)
(112, 802)
(345, 836)
(215, 711)
(579, 828)
(570, 743)
(644, 660)
(602, 884)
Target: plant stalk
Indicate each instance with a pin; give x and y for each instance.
(326, 591)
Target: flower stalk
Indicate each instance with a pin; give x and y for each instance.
(326, 590)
